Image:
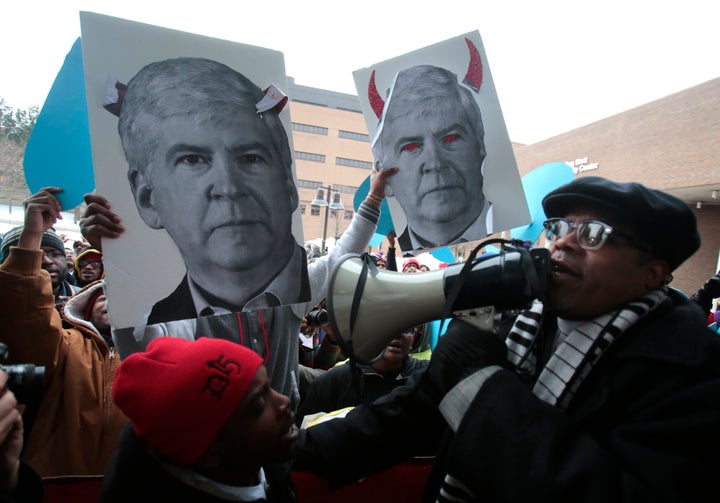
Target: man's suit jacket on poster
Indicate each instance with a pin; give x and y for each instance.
(179, 305)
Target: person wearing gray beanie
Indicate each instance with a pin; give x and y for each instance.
(50, 239)
(54, 261)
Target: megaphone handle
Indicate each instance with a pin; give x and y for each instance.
(462, 276)
(456, 287)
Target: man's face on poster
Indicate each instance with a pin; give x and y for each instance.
(440, 159)
(220, 191)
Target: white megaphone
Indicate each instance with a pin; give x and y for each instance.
(368, 306)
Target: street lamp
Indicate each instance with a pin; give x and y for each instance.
(320, 201)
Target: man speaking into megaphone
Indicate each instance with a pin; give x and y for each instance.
(604, 391)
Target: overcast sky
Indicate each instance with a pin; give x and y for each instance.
(557, 64)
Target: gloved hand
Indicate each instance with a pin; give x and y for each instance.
(709, 291)
(461, 351)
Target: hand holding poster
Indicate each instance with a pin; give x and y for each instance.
(203, 180)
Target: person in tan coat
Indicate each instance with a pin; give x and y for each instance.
(77, 425)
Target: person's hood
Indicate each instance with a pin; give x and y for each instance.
(75, 308)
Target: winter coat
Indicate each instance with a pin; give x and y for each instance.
(77, 424)
(339, 388)
(135, 475)
(643, 426)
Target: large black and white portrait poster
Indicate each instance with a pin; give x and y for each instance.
(191, 145)
(435, 114)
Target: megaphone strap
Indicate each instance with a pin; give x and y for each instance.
(359, 289)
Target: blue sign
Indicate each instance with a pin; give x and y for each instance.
(58, 151)
(384, 225)
(536, 185)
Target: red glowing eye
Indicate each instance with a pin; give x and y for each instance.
(410, 147)
(451, 138)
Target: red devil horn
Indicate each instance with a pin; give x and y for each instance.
(376, 101)
(473, 77)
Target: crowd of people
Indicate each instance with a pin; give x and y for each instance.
(612, 354)
(602, 390)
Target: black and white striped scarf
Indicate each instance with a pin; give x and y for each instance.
(570, 363)
(575, 356)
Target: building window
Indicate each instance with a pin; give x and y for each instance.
(315, 211)
(308, 156)
(348, 215)
(312, 184)
(308, 184)
(302, 209)
(345, 189)
(353, 163)
(307, 128)
(354, 136)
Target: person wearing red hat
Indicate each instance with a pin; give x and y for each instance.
(380, 260)
(411, 265)
(276, 330)
(87, 310)
(89, 267)
(76, 425)
(204, 421)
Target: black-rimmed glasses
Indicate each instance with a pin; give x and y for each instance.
(591, 235)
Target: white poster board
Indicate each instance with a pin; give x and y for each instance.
(505, 203)
(144, 265)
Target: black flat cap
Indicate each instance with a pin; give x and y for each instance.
(663, 222)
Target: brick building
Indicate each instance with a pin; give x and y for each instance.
(671, 144)
(332, 148)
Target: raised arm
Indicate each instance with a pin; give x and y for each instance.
(42, 210)
(99, 221)
(355, 239)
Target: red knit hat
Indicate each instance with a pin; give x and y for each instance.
(91, 302)
(89, 254)
(411, 261)
(180, 393)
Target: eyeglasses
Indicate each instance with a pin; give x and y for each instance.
(92, 263)
(591, 235)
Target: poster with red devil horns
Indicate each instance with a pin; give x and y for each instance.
(434, 113)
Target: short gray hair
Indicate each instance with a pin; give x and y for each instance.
(203, 89)
(418, 88)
